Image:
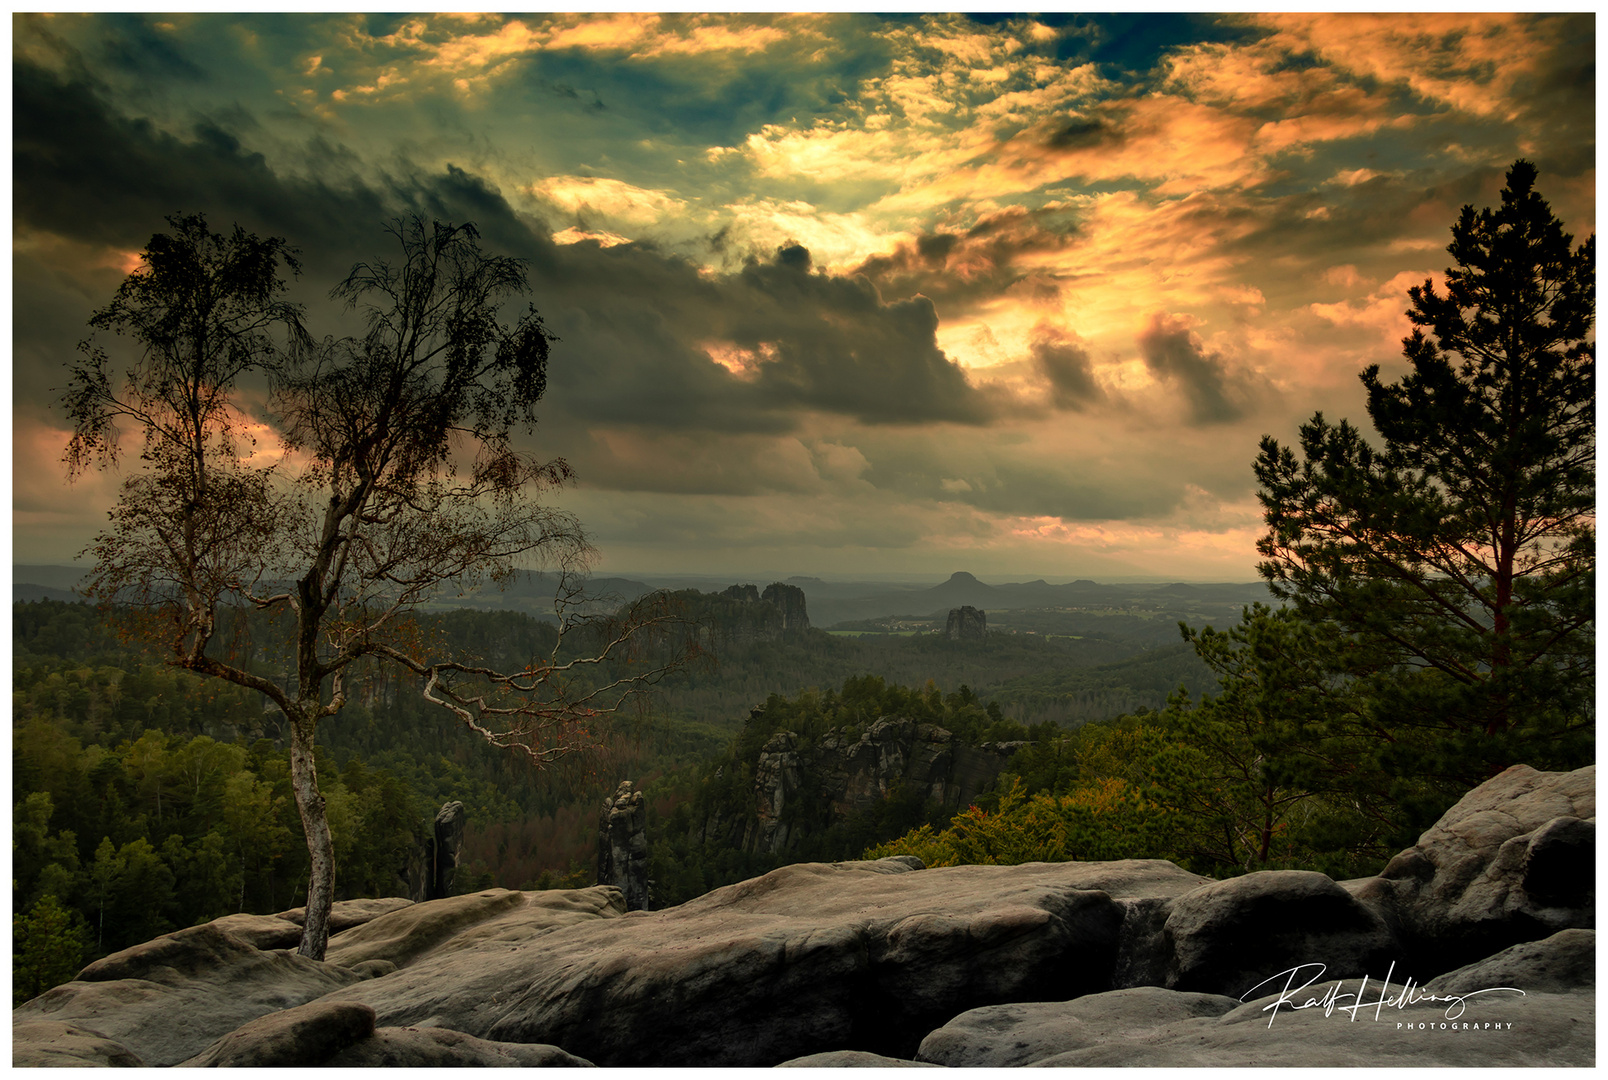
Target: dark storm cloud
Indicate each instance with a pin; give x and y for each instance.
(1008, 485)
(1350, 224)
(1174, 354)
(1065, 363)
(1552, 102)
(634, 320)
(1032, 491)
(83, 171)
(840, 348)
(132, 44)
(959, 270)
(639, 323)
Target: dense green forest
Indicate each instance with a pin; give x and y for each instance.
(148, 798)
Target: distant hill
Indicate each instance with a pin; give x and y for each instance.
(830, 602)
(531, 592)
(33, 582)
(20, 593)
(56, 577)
(1217, 600)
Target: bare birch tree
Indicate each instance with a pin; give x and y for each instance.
(395, 476)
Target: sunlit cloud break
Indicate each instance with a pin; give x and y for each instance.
(1012, 294)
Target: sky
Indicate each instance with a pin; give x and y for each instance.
(838, 294)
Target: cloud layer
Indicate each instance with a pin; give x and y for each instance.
(834, 292)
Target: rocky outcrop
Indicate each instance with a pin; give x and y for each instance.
(853, 1059)
(622, 846)
(879, 963)
(741, 615)
(440, 1048)
(344, 915)
(214, 981)
(1004, 1036)
(1550, 1024)
(1227, 937)
(778, 781)
(341, 1034)
(296, 1038)
(1513, 860)
(789, 600)
(447, 846)
(808, 958)
(37, 1043)
(850, 770)
(966, 624)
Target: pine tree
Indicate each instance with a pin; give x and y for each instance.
(1456, 556)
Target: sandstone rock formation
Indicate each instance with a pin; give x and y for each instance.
(1153, 1027)
(296, 1038)
(622, 846)
(448, 845)
(741, 615)
(215, 981)
(1513, 860)
(37, 1043)
(966, 624)
(341, 1034)
(853, 1059)
(419, 1048)
(811, 957)
(1226, 937)
(852, 770)
(789, 600)
(878, 963)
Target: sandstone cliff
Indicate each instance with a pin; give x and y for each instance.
(743, 615)
(801, 788)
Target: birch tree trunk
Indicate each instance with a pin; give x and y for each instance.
(320, 846)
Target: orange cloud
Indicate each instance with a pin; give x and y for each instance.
(1469, 61)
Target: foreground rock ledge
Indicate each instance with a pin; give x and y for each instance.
(1551, 1023)
(862, 956)
(861, 964)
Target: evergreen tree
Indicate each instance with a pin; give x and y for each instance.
(1456, 558)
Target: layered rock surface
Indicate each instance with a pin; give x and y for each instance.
(1450, 1023)
(214, 979)
(1513, 860)
(1122, 963)
(812, 957)
(850, 770)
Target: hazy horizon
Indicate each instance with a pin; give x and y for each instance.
(851, 295)
(763, 577)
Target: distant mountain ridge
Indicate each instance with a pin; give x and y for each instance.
(830, 603)
(965, 590)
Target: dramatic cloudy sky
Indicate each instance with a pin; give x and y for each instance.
(837, 294)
